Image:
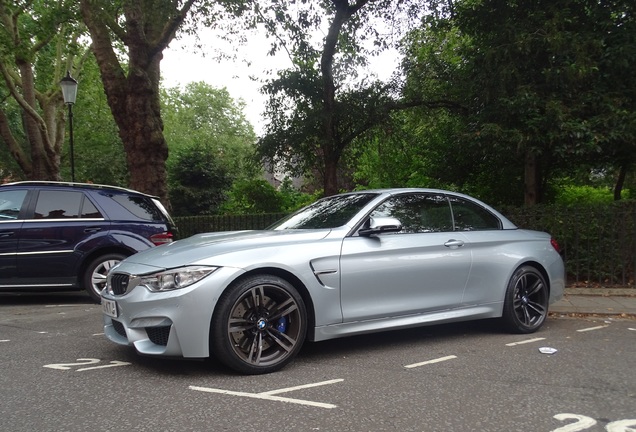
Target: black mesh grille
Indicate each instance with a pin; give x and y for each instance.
(119, 283)
(119, 328)
(158, 335)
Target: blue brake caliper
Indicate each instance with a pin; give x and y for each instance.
(281, 325)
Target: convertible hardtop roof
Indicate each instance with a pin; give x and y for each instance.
(410, 189)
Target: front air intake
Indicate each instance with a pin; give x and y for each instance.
(158, 335)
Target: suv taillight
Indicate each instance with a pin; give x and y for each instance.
(161, 238)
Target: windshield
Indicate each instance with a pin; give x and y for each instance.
(329, 212)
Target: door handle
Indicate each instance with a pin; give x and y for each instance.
(6, 234)
(92, 230)
(454, 244)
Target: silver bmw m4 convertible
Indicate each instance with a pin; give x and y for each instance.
(348, 264)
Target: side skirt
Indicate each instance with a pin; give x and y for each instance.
(493, 310)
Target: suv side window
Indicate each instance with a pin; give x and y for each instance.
(139, 206)
(11, 203)
(89, 211)
(471, 217)
(54, 204)
(419, 213)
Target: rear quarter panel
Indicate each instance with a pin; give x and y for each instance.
(496, 256)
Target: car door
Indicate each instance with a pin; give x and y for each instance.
(487, 239)
(423, 268)
(48, 248)
(11, 203)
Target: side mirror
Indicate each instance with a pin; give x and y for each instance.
(381, 225)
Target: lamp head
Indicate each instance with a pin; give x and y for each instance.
(69, 88)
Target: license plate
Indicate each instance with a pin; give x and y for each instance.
(109, 307)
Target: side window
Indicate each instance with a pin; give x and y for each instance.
(419, 213)
(53, 204)
(11, 203)
(89, 210)
(140, 206)
(471, 217)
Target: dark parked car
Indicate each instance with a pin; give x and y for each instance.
(68, 235)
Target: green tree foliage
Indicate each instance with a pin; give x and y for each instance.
(414, 149)
(10, 169)
(614, 101)
(38, 44)
(128, 39)
(201, 114)
(212, 146)
(99, 153)
(544, 92)
(252, 197)
(198, 181)
(292, 198)
(569, 194)
(541, 79)
(257, 196)
(319, 108)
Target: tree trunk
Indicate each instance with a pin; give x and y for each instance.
(133, 97)
(45, 162)
(331, 147)
(531, 179)
(141, 131)
(35, 90)
(620, 182)
(331, 177)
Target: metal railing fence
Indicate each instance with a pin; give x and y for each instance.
(598, 242)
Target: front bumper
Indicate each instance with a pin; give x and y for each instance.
(172, 323)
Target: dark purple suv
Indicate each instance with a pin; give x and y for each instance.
(68, 235)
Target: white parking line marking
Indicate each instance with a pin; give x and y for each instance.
(591, 328)
(269, 395)
(113, 363)
(86, 362)
(264, 397)
(300, 387)
(632, 329)
(5, 340)
(437, 360)
(67, 366)
(525, 341)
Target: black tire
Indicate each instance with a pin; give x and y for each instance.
(94, 277)
(259, 325)
(526, 302)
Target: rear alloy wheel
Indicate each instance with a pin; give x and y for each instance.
(526, 302)
(259, 325)
(94, 278)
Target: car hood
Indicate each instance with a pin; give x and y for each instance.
(204, 246)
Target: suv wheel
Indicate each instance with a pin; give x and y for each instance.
(94, 278)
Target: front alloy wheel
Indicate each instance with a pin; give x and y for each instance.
(526, 302)
(259, 325)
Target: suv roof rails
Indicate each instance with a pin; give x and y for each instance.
(73, 184)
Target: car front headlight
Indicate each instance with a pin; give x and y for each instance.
(169, 280)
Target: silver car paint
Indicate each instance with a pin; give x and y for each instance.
(391, 275)
(352, 282)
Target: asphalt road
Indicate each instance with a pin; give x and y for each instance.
(59, 373)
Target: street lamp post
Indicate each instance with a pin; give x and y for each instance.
(69, 92)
